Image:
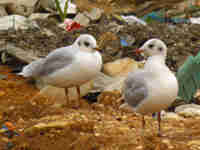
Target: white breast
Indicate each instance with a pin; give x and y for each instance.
(84, 68)
(162, 91)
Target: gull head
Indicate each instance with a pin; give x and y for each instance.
(87, 43)
(153, 47)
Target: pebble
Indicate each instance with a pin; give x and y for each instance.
(82, 19)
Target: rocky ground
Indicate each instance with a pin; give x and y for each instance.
(182, 40)
(96, 126)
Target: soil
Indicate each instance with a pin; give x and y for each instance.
(96, 126)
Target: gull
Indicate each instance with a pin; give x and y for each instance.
(153, 88)
(69, 66)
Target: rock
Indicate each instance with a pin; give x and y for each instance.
(172, 115)
(94, 14)
(35, 16)
(45, 126)
(120, 67)
(23, 7)
(194, 142)
(6, 2)
(101, 82)
(16, 22)
(3, 11)
(117, 84)
(82, 19)
(188, 110)
(48, 5)
(19, 53)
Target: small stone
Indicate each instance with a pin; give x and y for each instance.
(82, 19)
(120, 67)
(16, 22)
(188, 110)
(2, 93)
(94, 14)
(3, 11)
(194, 142)
(172, 115)
(36, 16)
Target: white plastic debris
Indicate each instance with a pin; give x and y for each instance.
(16, 22)
(133, 19)
(195, 20)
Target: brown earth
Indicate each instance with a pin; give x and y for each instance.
(98, 126)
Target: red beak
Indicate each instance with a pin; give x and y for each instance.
(138, 51)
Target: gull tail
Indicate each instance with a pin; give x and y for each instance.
(32, 69)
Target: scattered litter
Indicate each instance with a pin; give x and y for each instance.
(124, 43)
(154, 16)
(195, 20)
(16, 22)
(8, 129)
(127, 40)
(133, 19)
(188, 78)
(71, 25)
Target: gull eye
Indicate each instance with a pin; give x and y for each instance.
(87, 44)
(151, 46)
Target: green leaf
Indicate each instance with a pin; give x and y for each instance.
(61, 13)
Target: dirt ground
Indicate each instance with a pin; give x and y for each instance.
(97, 126)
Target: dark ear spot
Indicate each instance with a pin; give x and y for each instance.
(151, 46)
(86, 44)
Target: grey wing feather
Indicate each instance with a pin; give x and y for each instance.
(56, 60)
(135, 88)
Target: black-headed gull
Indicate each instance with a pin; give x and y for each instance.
(153, 88)
(68, 66)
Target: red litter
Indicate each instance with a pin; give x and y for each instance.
(71, 25)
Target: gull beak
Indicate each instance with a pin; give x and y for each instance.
(139, 51)
(97, 49)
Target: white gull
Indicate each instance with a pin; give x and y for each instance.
(68, 66)
(155, 87)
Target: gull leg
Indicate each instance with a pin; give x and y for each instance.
(142, 133)
(143, 125)
(159, 126)
(79, 92)
(67, 96)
